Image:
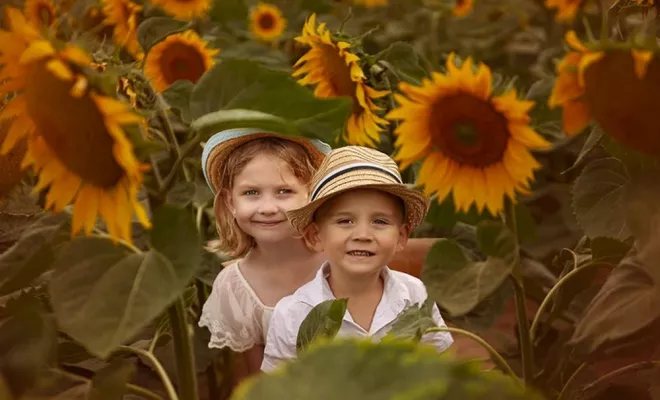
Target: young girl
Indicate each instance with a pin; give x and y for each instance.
(257, 177)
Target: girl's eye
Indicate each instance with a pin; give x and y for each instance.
(285, 191)
(250, 192)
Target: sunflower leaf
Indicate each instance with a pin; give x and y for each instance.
(599, 199)
(103, 295)
(457, 282)
(352, 369)
(404, 62)
(271, 99)
(154, 29)
(32, 255)
(109, 383)
(228, 10)
(27, 345)
(324, 320)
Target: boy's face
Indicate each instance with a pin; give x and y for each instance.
(359, 230)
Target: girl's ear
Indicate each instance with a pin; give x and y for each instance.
(312, 238)
(228, 200)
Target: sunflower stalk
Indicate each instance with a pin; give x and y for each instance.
(170, 179)
(526, 347)
(183, 350)
(169, 131)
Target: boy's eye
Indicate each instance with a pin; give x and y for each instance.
(344, 221)
(381, 221)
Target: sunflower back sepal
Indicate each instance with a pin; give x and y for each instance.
(154, 29)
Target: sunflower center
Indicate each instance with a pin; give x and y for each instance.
(181, 61)
(266, 21)
(73, 128)
(468, 130)
(338, 75)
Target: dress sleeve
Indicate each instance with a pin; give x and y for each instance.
(232, 314)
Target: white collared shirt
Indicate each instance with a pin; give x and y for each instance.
(400, 290)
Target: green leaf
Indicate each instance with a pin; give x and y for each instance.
(177, 96)
(594, 138)
(175, 236)
(609, 250)
(599, 199)
(525, 223)
(323, 321)
(351, 369)
(414, 321)
(264, 96)
(402, 59)
(259, 52)
(32, 255)
(181, 194)
(70, 352)
(103, 295)
(109, 383)
(444, 215)
(317, 6)
(457, 282)
(27, 345)
(153, 30)
(228, 10)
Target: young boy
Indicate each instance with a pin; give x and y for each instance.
(360, 213)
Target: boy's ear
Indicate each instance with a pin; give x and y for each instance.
(312, 238)
(404, 233)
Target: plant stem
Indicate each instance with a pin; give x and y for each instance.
(140, 391)
(551, 293)
(169, 130)
(183, 350)
(526, 347)
(494, 355)
(162, 374)
(564, 391)
(171, 176)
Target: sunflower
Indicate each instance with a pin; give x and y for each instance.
(371, 3)
(473, 143)
(615, 87)
(335, 71)
(184, 9)
(75, 140)
(267, 22)
(180, 56)
(41, 13)
(463, 7)
(566, 9)
(124, 17)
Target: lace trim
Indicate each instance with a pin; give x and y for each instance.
(222, 337)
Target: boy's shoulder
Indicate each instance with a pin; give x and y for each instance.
(411, 287)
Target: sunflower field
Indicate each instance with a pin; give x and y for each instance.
(530, 123)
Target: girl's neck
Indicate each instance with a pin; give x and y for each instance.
(285, 253)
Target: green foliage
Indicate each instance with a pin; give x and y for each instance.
(323, 321)
(360, 369)
(459, 283)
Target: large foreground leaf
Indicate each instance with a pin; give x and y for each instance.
(103, 295)
(323, 321)
(392, 369)
(459, 283)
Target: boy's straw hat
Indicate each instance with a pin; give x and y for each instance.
(356, 167)
(220, 145)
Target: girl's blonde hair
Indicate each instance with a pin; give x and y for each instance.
(232, 240)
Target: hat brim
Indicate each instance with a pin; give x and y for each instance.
(416, 204)
(215, 156)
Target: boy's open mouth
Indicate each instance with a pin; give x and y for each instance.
(360, 253)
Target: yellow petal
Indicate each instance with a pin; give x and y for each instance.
(642, 59)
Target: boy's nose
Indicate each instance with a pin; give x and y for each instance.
(362, 233)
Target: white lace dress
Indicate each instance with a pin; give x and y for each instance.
(233, 313)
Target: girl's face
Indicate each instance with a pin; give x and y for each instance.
(262, 194)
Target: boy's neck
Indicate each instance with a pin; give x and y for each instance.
(350, 286)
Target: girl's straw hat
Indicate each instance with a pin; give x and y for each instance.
(220, 145)
(356, 167)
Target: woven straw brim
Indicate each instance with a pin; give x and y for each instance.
(416, 203)
(215, 162)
